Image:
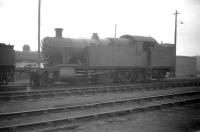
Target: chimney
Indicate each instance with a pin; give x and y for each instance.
(95, 36)
(58, 32)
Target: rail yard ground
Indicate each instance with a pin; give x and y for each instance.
(177, 119)
(110, 110)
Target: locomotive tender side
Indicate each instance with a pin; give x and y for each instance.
(7, 57)
(125, 59)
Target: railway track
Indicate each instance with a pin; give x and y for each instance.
(46, 118)
(22, 95)
(23, 87)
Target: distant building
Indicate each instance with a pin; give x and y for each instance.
(198, 64)
(26, 57)
(167, 44)
(26, 48)
(186, 66)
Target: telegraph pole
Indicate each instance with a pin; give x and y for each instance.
(175, 33)
(39, 58)
(175, 39)
(115, 30)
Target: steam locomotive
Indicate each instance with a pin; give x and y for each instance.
(7, 67)
(125, 59)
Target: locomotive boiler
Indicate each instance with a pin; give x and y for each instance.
(125, 59)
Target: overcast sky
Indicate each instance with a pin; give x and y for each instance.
(80, 18)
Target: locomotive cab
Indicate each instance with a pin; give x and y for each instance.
(148, 45)
(144, 42)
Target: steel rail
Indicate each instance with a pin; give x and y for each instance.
(92, 90)
(95, 105)
(76, 89)
(87, 88)
(16, 88)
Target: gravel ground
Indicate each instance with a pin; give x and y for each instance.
(83, 112)
(177, 119)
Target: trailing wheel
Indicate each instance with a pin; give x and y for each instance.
(141, 75)
(124, 76)
(133, 76)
